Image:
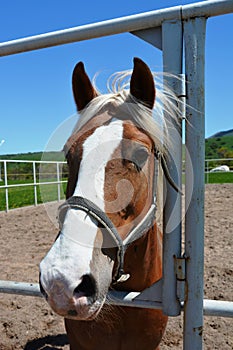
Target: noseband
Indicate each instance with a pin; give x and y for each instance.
(113, 245)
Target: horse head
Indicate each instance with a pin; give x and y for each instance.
(110, 193)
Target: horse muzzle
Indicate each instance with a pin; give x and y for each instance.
(79, 303)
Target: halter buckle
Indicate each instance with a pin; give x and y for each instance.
(123, 278)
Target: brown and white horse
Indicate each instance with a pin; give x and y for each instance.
(111, 196)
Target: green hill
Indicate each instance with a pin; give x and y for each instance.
(48, 156)
(223, 133)
(215, 147)
(219, 147)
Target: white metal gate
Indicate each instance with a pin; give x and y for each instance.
(182, 285)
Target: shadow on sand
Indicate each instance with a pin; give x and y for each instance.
(50, 342)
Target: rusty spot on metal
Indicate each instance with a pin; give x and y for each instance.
(198, 330)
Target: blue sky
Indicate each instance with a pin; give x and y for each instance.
(36, 94)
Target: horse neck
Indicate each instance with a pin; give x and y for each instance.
(143, 260)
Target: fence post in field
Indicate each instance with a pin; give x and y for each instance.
(35, 183)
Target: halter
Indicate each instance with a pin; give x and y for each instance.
(113, 245)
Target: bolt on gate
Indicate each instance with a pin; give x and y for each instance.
(181, 287)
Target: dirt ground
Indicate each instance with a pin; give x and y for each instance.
(28, 323)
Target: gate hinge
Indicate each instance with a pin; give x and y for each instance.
(180, 277)
(181, 86)
(180, 91)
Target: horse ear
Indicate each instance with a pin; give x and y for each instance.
(142, 83)
(83, 90)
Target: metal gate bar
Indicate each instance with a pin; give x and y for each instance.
(211, 307)
(172, 44)
(194, 40)
(116, 26)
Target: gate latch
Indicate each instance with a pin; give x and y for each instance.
(180, 277)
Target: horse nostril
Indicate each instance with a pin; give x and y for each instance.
(87, 287)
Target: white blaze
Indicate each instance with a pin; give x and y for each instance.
(97, 151)
(72, 253)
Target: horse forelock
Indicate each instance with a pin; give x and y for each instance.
(119, 103)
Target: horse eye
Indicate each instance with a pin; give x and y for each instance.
(140, 157)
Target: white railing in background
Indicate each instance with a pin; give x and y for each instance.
(37, 180)
(210, 164)
(36, 175)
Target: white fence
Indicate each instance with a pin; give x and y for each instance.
(36, 175)
(212, 174)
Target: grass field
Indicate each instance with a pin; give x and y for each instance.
(219, 177)
(24, 195)
(22, 173)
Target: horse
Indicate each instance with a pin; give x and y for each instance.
(109, 238)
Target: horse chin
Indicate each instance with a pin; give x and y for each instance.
(78, 311)
(90, 315)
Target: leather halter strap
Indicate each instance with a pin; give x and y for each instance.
(111, 238)
(113, 245)
(162, 161)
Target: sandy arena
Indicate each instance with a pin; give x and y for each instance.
(27, 234)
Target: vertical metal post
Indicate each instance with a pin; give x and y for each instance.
(58, 183)
(172, 62)
(34, 181)
(194, 37)
(6, 184)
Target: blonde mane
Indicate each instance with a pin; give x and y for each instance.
(155, 123)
